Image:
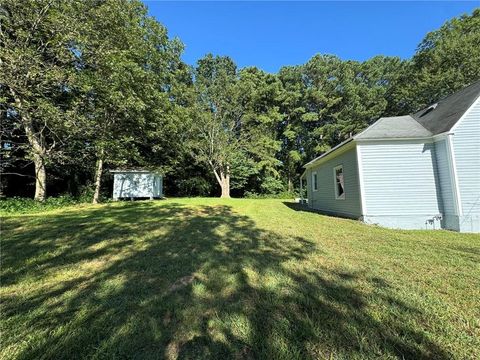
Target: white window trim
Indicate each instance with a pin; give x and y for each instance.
(314, 183)
(342, 197)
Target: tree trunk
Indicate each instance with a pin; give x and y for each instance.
(223, 180)
(40, 178)
(225, 185)
(225, 177)
(39, 152)
(98, 178)
(290, 184)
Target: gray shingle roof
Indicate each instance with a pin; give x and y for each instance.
(434, 119)
(448, 110)
(394, 127)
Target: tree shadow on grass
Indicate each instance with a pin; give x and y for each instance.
(304, 208)
(181, 282)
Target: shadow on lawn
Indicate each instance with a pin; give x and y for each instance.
(304, 208)
(173, 282)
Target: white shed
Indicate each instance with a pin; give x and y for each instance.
(134, 184)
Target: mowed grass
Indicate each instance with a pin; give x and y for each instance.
(239, 279)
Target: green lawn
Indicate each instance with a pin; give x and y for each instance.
(241, 279)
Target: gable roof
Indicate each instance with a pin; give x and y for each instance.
(432, 120)
(443, 115)
(394, 127)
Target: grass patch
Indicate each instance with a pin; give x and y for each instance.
(20, 205)
(242, 279)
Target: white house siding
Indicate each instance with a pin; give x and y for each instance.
(136, 185)
(466, 145)
(399, 183)
(446, 184)
(324, 198)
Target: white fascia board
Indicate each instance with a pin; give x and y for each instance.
(334, 152)
(441, 136)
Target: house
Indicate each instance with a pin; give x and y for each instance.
(135, 184)
(410, 172)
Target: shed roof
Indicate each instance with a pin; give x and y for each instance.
(136, 171)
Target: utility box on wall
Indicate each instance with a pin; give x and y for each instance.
(135, 184)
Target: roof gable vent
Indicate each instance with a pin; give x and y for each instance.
(429, 109)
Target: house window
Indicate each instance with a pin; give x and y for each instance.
(339, 183)
(314, 181)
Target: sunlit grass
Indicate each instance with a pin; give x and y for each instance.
(244, 279)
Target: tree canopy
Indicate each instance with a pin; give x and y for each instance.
(90, 86)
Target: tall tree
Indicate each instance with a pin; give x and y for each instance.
(327, 100)
(290, 130)
(365, 88)
(445, 61)
(322, 79)
(94, 84)
(36, 76)
(218, 140)
(259, 96)
(234, 133)
(126, 66)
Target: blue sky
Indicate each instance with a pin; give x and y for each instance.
(272, 34)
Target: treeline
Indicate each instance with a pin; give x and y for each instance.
(94, 85)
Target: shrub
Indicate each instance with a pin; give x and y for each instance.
(281, 195)
(272, 185)
(21, 205)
